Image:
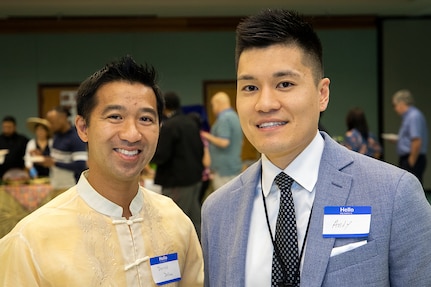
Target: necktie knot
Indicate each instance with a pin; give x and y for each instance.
(283, 181)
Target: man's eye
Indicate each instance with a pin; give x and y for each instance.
(250, 88)
(114, 117)
(147, 119)
(285, 84)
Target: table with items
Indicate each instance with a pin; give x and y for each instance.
(20, 199)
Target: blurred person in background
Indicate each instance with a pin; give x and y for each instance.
(178, 158)
(358, 137)
(12, 146)
(38, 147)
(68, 154)
(206, 160)
(412, 142)
(225, 138)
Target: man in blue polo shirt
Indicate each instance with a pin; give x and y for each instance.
(69, 152)
(412, 136)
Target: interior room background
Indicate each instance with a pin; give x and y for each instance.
(366, 66)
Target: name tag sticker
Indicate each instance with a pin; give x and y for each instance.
(165, 269)
(346, 221)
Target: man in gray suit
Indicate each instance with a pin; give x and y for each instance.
(359, 221)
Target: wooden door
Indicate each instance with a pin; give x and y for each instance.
(52, 95)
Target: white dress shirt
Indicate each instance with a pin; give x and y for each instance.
(304, 170)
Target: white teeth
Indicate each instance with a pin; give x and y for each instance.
(271, 124)
(126, 152)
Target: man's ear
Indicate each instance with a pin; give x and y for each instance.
(81, 127)
(323, 88)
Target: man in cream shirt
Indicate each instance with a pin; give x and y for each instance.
(107, 230)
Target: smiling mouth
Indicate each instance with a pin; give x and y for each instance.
(127, 152)
(271, 124)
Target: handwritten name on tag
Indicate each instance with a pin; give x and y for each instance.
(165, 269)
(346, 221)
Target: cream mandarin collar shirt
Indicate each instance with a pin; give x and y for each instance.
(80, 239)
(102, 204)
(304, 170)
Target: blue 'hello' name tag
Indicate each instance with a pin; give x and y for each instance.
(165, 269)
(346, 221)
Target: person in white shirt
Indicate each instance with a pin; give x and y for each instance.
(38, 147)
(355, 220)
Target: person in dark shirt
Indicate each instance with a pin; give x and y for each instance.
(178, 158)
(68, 153)
(14, 144)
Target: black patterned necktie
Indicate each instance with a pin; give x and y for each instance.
(286, 238)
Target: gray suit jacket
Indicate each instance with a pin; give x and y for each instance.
(398, 251)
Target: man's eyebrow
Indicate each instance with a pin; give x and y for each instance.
(245, 77)
(279, 74)
(121, 108)
(289, 73)
(152, 111)
(112, 108)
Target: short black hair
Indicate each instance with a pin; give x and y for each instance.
(355, 119)
(172, 101)
(279, 26)
(62, 110)
(9, 119)
(124, 69)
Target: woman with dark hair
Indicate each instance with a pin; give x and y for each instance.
(358, 138)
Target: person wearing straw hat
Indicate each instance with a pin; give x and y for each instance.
(38, 147)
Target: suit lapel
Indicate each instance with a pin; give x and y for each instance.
(241, 205)
(332, 189)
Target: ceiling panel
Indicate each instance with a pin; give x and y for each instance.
(190, 8)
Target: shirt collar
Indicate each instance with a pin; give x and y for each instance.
(224, 111)
(103, 205)
(304, 169)
(408, 111)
